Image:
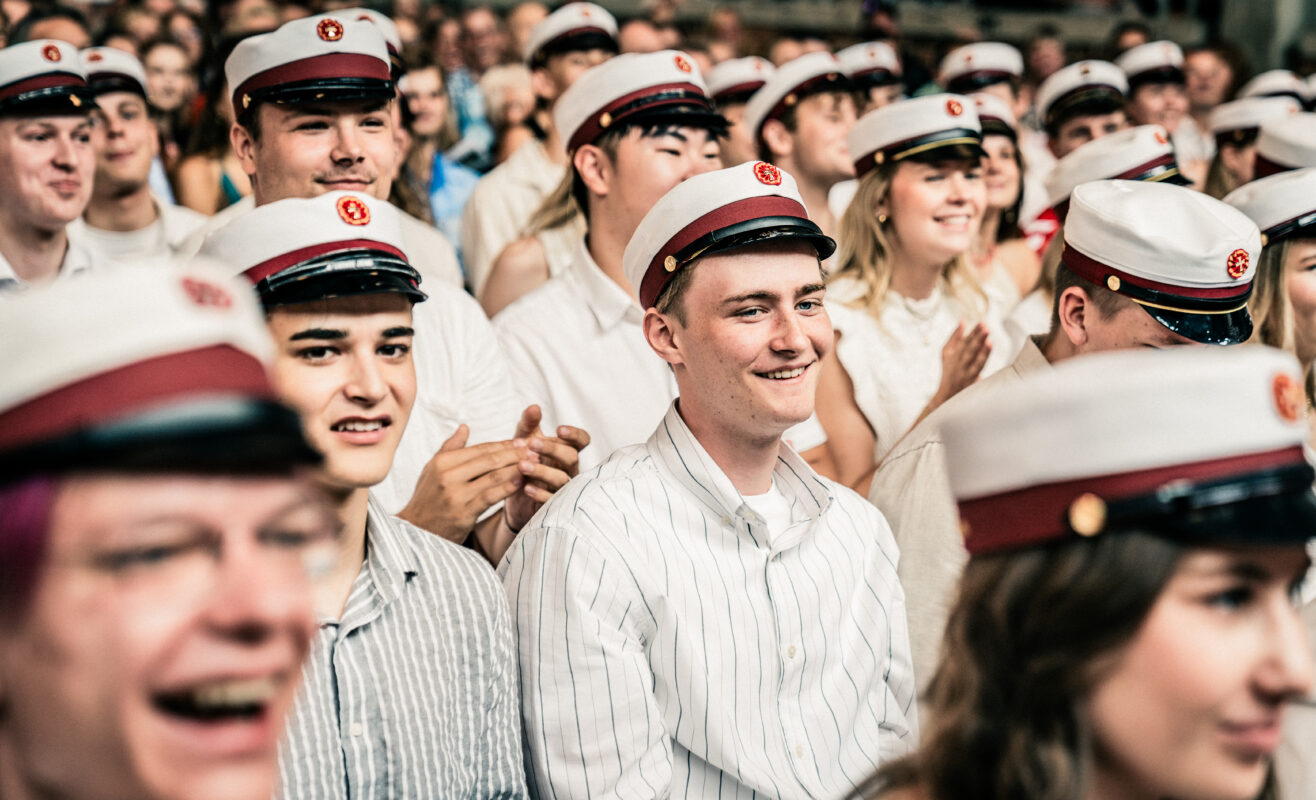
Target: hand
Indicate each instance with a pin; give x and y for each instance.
(962, 360)
(460, 483)
(550, 463)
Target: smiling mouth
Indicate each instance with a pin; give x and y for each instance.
(220, 701)
(958, 219)
(783, 374)
(360, 425)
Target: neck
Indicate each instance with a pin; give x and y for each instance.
(553, 146)
(606, 241)
(913, 277)
(1057, 347)
(125, 211)
(350, 506)
(35, 254)
(746, 460)
(991, 223)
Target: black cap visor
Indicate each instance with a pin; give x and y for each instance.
(51, 100)
(757, 231)
(1271, 507)
(341, 275)
(206, 435)
(1231, 326)
(324, 90)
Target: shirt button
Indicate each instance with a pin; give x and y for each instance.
(790, 651)
(358, 729)
(799, 751)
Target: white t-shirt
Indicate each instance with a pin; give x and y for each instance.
(775, 510)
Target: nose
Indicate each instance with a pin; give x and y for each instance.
(366, 384)
(257, 595)
(790, 337)
(958, 187)
(347, 143)
(1287, 672)
(64, 156)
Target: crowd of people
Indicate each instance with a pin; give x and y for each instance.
(410, 405)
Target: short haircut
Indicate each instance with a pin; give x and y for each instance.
(1108, 303)
(22, 32)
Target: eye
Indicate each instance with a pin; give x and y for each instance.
(312, 125)
(1231, 599)
(812, 304)
(394, 350)
(140, 557)
(316, 354)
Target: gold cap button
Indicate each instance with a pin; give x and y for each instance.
(1113, 283)
(669, 263)
(1087, 514)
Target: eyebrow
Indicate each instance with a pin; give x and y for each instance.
(401, 330)
(318, 333)
(808, 288)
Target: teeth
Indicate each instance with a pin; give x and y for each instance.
(786, 373)
(359, 426)
(960, 220)
(233, 694)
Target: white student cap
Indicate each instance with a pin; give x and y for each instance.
(1153, 62)
(330, 57)
(1285, 143)
(734, 80)
(1186, 258)
(710, 213)
(43, 77)
(142, 371)
(994, 115)
(109, 69)
(298, 250)
(912, 127)
(1082, 88)
(1275, 83)
(574, 26)
(1143, 153)
(810, 74)
(969, 68)
(665, 85)
(870, 64)
(1238, 121)
(1198, 445)
(1283, 205)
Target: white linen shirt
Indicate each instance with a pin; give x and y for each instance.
(667, 649)
(77, 260)
(155, 246)
(500, 206)
(575, 345)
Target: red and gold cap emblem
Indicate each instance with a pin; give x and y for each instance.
(95, 57)
(353, 210)
(954, 107)
(331, 30)
(206, 294)
(51, 53)
(682, 64)
(1236, 266)
(1289, 400)
(767, 174)
(1161, 138)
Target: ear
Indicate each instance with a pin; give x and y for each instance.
(780, 142)
(244, 147)
(594, 168)
(1074, 307)
(1238, 160)
(664, 334)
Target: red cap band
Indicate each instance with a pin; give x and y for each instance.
(330, 65)
(279, 263)
(48, 80)
(1097, 272)
(593, 127)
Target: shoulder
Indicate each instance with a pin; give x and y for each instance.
(521, 254)
(608, 490)
(543, 305)
(459, 574)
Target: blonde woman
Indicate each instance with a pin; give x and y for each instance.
(913, 325)
(1234, 126)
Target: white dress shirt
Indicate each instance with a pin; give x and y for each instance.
(894, 359)
(155, 246)
(500, 206)
(77, 260)
(461, 377)
(575, 345)
(668, 649)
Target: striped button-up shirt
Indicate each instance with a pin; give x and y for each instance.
(412, 693)
(669, 649)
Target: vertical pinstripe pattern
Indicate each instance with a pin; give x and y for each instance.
(412, 693)
(667, 649)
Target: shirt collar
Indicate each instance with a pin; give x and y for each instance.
(607, 302)
(1030, 358)
(675, 447)
(77, 259)
(390, 558)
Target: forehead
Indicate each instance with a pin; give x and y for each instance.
(65, 122)
(114, 99)
(782, 267)
(329, 108)
(363, 313)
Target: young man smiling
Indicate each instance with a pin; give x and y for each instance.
(125, 222)
(740, 613)
(404, 614)
(1082, 102)
(46, 162)
(301, 137)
